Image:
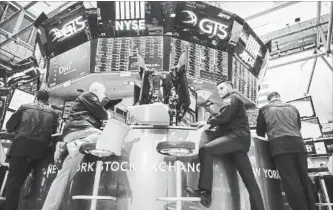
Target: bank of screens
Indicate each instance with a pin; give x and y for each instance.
(7, 116)
(304, 106)
(203, 62)
(120, 54)
(20, 97)
(311, 128)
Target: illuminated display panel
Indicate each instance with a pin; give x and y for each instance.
(67, 29)
(243, 80)
(249, 48)
(304, 106)
(193, 98)
(69, 65)
(204, 62)
(203, 24)
(20, 97)
(311, 128)
(131, 18)
(252, 115)
(119, 54)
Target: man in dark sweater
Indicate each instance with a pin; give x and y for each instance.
(229, 134)
(82, 127)
(282, 123)
(33, 125)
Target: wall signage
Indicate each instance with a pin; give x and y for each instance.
(207, 26)
(130, 16)
(69, 29)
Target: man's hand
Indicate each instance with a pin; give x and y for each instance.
(87, 147)
(203, 96)
(60, 154)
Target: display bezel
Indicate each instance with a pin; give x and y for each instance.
(318, 123)
(303, 99)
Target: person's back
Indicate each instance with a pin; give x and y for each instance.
(281, 119)
(33, 125)
(86, 112)
(37, 122)
(282, 123)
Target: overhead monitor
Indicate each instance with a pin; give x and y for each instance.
(304, 107)
(20, 97)
(311, 128)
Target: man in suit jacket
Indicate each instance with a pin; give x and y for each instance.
(229, 134)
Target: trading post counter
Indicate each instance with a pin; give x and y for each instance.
(143, 177)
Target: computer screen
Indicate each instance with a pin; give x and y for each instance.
(311, 128)
(20, 97)
(304, 106)
(193, 97)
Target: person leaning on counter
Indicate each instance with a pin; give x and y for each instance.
(33, 125)
(229, 134)
(282, 123)
(82, 127)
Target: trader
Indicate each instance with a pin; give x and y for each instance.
(33, 125)
(231, 137)
(282, 123)
(82, 128)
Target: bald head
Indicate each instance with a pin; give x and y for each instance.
(98, 89)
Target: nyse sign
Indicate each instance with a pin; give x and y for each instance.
(69, 29)
(128, 25)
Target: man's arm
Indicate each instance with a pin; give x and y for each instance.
(93, 106)
(15, 120)
(261, 124)
(229, 107)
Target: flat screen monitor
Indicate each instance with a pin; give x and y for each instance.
(193, 97)
(311, 128)
(304, 106)
(7, 116)
(70, 65)
(20, 97)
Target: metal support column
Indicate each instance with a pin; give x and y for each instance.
(297, 60)
(317, 23)
(327, 63)
(19, 21)
(281, 6)
(311, 76)
(330, 30)
(297, 31)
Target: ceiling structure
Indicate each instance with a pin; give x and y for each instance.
(272, 21)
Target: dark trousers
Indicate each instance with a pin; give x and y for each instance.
(19, 169)
(293, 168)
(229, 146)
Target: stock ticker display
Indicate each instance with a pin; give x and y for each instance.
(119, 54)
(243, 80)
(204, 62)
